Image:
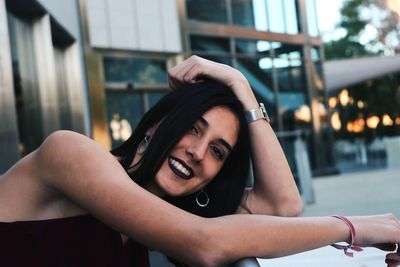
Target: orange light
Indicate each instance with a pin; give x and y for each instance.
(303, 113)
(344, 97)
(358, 125)
(121, 130)
(350, 126)
(398, 120)
(333, 102)
(360, 104)
(373, 121)
(335, 121)
(386, 120)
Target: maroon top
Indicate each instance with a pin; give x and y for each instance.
(80, 241)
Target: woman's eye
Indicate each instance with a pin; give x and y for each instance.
(193, 129)
(217, 152)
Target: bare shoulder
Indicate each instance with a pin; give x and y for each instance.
(69, 156)
(26, 195)
(66, 147)
(61, 139)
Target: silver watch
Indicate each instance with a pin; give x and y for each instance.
(257, 114)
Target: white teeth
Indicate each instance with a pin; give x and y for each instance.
(180, 167)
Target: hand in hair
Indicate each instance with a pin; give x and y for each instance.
(196, 69)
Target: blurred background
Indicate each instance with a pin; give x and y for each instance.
(328, 73)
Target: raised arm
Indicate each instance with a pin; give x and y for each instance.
(274, 191)
(79, 168)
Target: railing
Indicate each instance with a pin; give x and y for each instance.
(248, 262)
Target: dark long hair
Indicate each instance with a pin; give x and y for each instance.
(176, 113)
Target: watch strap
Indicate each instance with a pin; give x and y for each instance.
(257, 114)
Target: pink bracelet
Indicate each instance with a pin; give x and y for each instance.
(350, 246)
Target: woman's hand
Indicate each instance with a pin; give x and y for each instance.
(196, 69)
(381, 231)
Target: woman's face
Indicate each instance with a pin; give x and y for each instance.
(198, 156)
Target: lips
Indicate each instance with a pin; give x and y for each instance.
(180, 168)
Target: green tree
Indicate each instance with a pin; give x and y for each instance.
(356, 16)
(381, 96)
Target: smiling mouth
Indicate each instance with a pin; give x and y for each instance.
(180, 168)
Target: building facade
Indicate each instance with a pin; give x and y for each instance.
(128, 46)
(42, 84)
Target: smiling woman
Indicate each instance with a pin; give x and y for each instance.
(177, 185)
(195, 134)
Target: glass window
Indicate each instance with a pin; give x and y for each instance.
(252, 48)
(312, 22)
(207, 10)
(288, 51)
(315, 54)
(291, 17)
(260, 15)
(127, 105)
(243, 13)
(275, 16)
(123, 112)
(209, 44)
(227, 60)
(137, 71)
(212, 48)
(320, 93)
(259, 74)
(293, 104)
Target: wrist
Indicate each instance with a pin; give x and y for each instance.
(350, 239)
(243, 92)
(258, 113)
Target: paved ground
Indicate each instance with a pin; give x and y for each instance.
(361, 193)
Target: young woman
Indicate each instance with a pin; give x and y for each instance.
(67, 203)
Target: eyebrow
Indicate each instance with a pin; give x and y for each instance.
(220, 140)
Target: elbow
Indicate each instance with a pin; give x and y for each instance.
(290, 207)
(208, 251)
(209, 257)
(208, 262)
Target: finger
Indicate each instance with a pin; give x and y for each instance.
(195, 74)
(176, 72)
(184, 69)
(172, 83)
(172, 80)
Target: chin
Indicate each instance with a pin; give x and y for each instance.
(176, 193)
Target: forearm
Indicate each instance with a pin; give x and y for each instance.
(273, 179)
(274, 185)
(269, 237)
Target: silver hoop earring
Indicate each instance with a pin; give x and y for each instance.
(143, 145)
(205, 199)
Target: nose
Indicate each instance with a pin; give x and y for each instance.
(196, 151)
